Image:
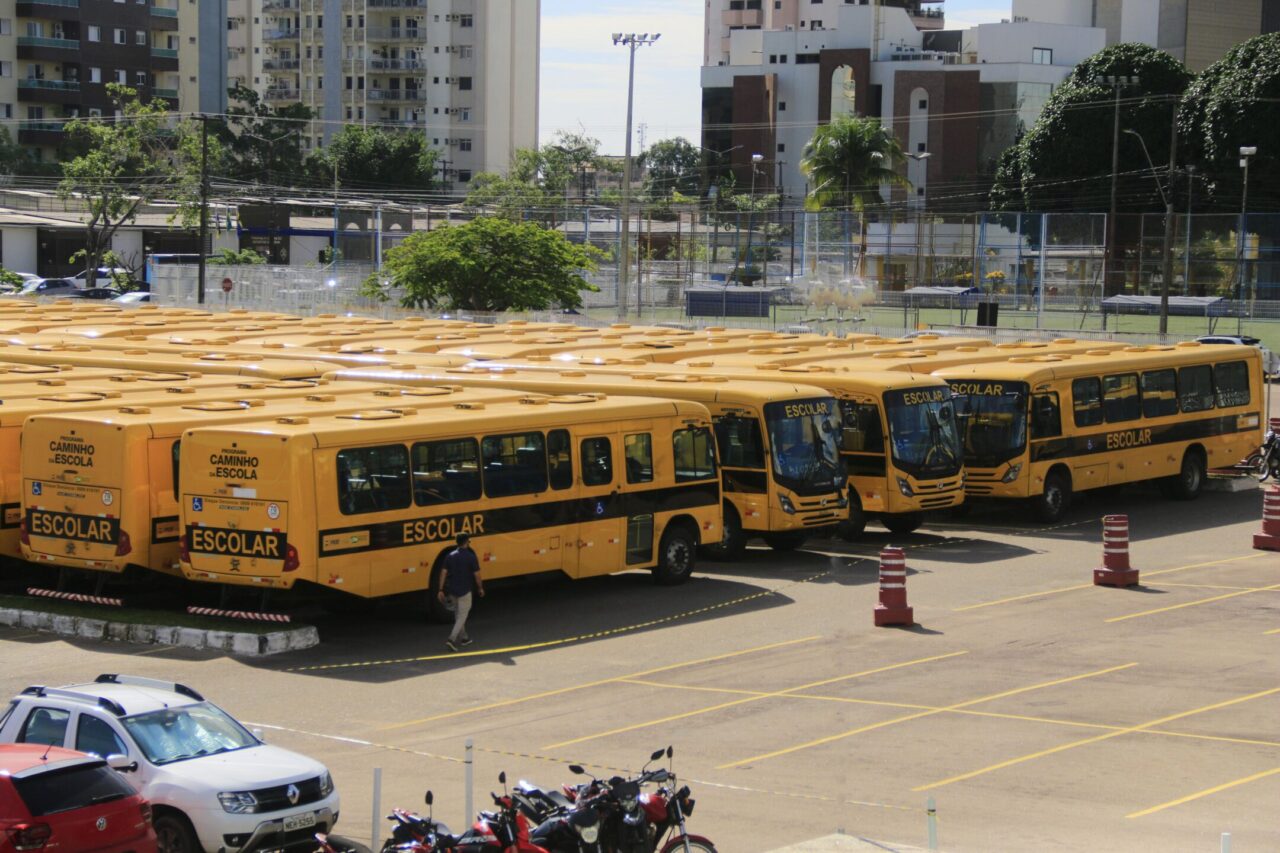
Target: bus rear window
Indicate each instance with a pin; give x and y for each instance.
(1231, 382)
(446, 471)
(373, 479)
(1195, 388)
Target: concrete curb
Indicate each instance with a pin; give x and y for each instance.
(239, 643)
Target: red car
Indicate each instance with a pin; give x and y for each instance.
(54, 799)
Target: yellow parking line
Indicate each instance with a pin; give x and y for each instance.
(1272, 631)
(1079, 587)
(562, 690)
(1096, 739)
(756, 698)
(1206, 792)
(1215, 586)
(918, 715)
(1196, 603)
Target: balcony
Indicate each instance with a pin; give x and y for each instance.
(170, 94)
(394, 34)
(281, 5)
(397, 95)
(397, 4)
(164, 18)
(164, 59)
(272, 94)
(281, 64)
(742, 17)
(380, 64)
(278, 35)
(41, 91)
(45, 8)
(40, 132)
(37, 47)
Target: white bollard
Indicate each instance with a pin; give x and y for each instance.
(375, 835)
(931, 810)
(469, 783)
(1226, 842)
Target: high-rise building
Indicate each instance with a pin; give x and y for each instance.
(57, 57)
(462, 72)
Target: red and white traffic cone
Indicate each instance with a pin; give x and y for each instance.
(893, 609)
(1269, 538)
(1115, 570)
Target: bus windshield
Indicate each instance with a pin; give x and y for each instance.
(993, 420)
(802, 436)
(923, 433)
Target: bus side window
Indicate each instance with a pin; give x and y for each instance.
(695, 455)
(1046, 416)
(638, 449)
(861, 431)
(514, 464)
(560, 458)
(1159, 393)
(1195, 388)
(597, 462)
(739, 441)
(1086, 402)
(446, 471)
(373, 479)
(177, 449)
(1120, 398)
(1231, 383)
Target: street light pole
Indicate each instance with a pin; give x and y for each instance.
(632, 42)
(1246, 151)
(1167, 197)
(271, 189)
(920, 157)
(751, 211)
(1186, 253)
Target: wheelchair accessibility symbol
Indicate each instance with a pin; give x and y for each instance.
(599, 507)
(197, 504)
(37, 489)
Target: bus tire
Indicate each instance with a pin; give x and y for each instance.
(676, 554)
(436, 611)
(902, 523)
(850, 530)
(786, 540)
(1189, 482)
(733, 539)
(1052, 504)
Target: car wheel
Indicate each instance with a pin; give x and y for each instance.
(175, 835)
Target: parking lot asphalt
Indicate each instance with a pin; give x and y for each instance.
(1039, 711)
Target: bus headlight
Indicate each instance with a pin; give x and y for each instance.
(1012, 473)
(905, 488)
(787, 507)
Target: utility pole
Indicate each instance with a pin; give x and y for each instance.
(204, 206)
(1166, 274)
(1246, 151)
(1118, 82)
(631, 41)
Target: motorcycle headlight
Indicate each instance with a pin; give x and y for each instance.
(905, 488)
(1012, 473)
(590, 833)
(326, 784)
(787, 507)
(238, 802)
(630, 803)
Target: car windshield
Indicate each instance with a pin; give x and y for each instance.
(802, 437)
(993, 419)
(176, 734)
(923, 433)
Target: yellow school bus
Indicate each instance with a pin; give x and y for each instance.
(1045, 427)
(72, 462)
(370, 503)
(141, 358)
(782, 478)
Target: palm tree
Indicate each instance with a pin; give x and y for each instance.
(847, 162)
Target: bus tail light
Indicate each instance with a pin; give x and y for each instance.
(291, 562)
(23, 533)
(184, 551)
(124, 546)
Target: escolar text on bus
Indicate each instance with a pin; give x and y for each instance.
(239, 543)
(1128, 438)
(439, 529)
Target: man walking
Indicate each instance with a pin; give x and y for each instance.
(461, 574)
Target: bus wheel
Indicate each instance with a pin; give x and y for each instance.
(733, 541)
(675, 555)
(850, 530)
(1186, 486)
(902, 523)
(436, 611)
(785, 540)
(1052, 504)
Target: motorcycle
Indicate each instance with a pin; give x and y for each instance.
(412, 833)
(504, 830)
(655, 822)
(335, 844)
(1264, 463)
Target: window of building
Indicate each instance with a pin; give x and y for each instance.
(121, 36)
(464, 83)
(465, 21)
(373, 479)
(6, 68)
(35, 113)
(514, 464)
(140, 37)
(782, 59)
(140, 78)
(920, 147)
(638, 450)
(782, 106)
(807, 59)
(446, 471)
(122, 76)
(815, 25)
(923, 104)
(782, 147)
(1231, 381)
(464, 175)
(6, 110)
(464, 115)
(6, 26)
(95, 32)
(1041, 56)
(464, 51)
(773, 59)
(464, 144)
(597, 462)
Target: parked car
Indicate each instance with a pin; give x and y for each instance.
(213, 785)
(94, 293)
(59, 799)
(48, 287)
(1270, 361)
(133, 297)
(104, 274)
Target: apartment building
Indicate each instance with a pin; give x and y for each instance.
(464, 72)
(57, 57)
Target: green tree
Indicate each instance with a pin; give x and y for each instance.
(1063, 163)
(17, 160)
(540, 180)
(847, 162)
(263, 143)
(673, 166)
(127, 163)
(233, 257)
(488, 264)
(375, 158)
(1236, 102)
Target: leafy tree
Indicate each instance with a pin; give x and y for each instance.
(539, 180)
(263, 142)
(847, 161)
(17, 160)
(674, 166)
(233, 257)
(126, 164)
(1064, 161)
(488, 264)
(508, 197)
(375, 158)
(1236, 102)
(11, 278)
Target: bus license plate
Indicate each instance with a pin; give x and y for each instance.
(299, 821)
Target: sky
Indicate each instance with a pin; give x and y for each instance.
(584, 77)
